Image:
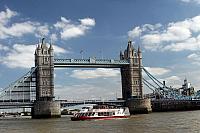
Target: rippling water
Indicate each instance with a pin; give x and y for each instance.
(168, 122)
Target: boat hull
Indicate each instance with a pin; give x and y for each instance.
(83, 118)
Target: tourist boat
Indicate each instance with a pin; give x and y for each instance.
(101, 112)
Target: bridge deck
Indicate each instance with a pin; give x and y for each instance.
(91, 62)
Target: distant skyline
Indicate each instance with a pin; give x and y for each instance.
(168, 32)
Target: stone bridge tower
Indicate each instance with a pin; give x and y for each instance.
(45, 106)
(131, 75)
(44, 60)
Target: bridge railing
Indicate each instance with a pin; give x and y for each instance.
(91, 61)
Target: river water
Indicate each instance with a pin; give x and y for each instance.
(166, 122)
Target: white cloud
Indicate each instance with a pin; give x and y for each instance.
(88, 91)
(19, 29)
(6, 15)
(58, 50)
(150, 27)
(193, 1)
(194, 58)
(173, 33)
(135, 32)
(42, 30)
(173, 81)
(19, 56)
(87, 21)
(22, 56)
(54, 37)
(190, 44)
(96, 73)
(3, 48)
(68, 29)
(157, 71)
(172, 78)
(175, 36)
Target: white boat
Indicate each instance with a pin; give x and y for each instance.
(101, 112)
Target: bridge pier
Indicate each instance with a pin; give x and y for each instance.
(46, 109)
(139, 106)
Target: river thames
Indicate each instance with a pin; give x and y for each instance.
(165, 122)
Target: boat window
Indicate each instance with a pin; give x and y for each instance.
(106, 113)
(100, 114)
(113, 113)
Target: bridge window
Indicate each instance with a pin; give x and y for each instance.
(45, 60)
(45, 52)
(33, 79)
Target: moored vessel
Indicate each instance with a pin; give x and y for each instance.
(101, 112)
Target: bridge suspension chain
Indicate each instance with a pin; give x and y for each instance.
(162, 89)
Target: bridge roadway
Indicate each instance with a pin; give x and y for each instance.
(64, 103)
(11, 105)
(90, 63)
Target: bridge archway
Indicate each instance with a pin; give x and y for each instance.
(88, 83)
(129, 64)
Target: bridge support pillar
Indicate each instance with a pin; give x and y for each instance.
(46, 109)
(139, 106)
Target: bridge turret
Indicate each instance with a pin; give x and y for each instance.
(130, 50)
(121, 55)
(139, 52)
(51, 49)
(51, 52)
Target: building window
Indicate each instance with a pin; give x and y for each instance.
(135, 58)
(45, 60)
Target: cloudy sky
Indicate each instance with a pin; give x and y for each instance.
(168, 31)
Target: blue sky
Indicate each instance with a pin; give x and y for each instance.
(167, 31)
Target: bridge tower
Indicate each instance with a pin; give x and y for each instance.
(45, 106)
(131, 75)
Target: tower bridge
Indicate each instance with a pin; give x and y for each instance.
(35, 89)
(39, 82)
